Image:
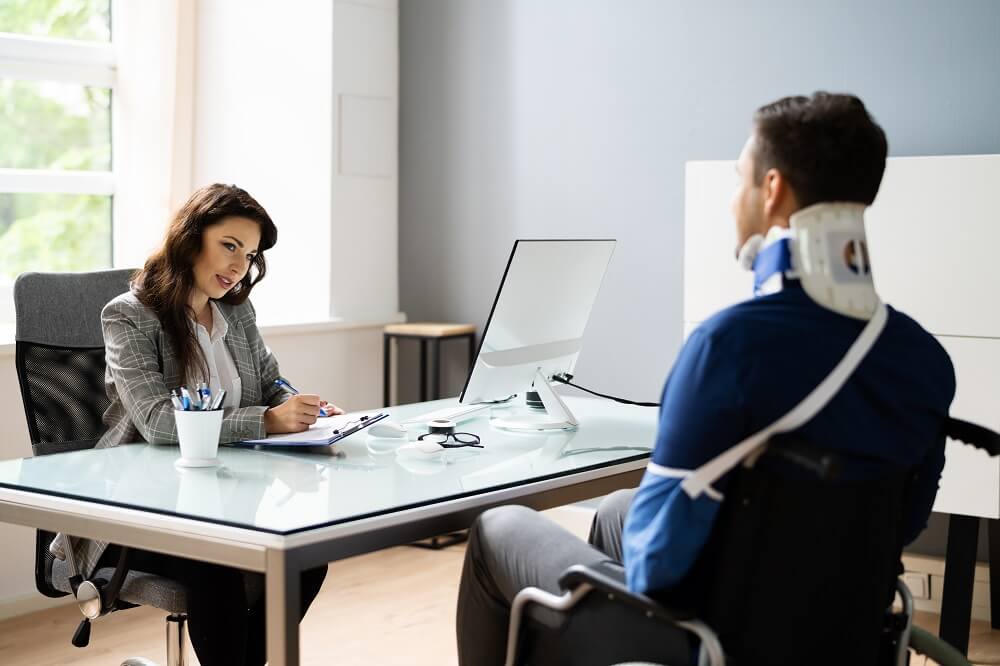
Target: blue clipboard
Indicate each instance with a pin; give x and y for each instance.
(325, 439)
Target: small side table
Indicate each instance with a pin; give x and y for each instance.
(429, 335)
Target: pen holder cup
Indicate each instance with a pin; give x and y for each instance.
(198, 435)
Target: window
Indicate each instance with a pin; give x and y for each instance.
(57, 78)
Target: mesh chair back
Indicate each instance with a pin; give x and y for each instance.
(59, 356)
(63, 394)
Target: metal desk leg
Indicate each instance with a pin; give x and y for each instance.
(993, 531)
(423, 370)
(959, 571)
(283, 585)
(386, 366)
(435, 369)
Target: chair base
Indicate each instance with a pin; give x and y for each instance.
(176, 644)
(176, 639)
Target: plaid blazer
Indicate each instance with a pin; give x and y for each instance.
(142, 368)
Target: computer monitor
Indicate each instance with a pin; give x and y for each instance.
(536, 327)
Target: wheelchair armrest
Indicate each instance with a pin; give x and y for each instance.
(974, 435)
(609, 580)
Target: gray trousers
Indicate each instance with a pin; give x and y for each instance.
(512, 547)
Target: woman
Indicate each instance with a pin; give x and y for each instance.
(186, 319)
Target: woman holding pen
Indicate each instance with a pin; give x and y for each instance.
(187, 320)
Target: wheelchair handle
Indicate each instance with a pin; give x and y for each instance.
(973, 435)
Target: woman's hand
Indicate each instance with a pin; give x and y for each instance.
(330, 408)
(294, 415)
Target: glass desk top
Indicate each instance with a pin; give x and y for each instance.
(286, 492)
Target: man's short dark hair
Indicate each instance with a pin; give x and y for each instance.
(827, 146)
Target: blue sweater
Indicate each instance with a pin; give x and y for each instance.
(749, 365)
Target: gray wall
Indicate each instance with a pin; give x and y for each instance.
(573, 118)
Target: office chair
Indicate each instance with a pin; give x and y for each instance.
(59, 355)
(799, 568)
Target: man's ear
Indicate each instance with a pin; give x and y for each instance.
(776, 193)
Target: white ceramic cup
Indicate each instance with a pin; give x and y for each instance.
(198, 434)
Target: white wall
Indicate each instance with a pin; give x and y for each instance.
(262, 109)
(364, 276)
(574, 118)
(298, 104)
(17, 579)
(271, 80)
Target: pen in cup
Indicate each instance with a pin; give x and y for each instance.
(291, 390)
(186, 402)
(217, 402)
(198, 399)
(204, 395)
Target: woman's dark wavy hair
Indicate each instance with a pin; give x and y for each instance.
(164, 284)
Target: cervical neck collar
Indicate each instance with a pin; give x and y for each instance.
(826, 250)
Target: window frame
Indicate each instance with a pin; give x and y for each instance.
(48, 59)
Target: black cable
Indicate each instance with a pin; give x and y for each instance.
(565, 377)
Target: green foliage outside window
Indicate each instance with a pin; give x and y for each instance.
(54, 126)
(59, 126)
(55, 232)
(65, 19)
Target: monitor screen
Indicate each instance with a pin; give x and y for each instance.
(539, 316)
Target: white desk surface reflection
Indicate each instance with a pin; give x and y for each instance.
(287, 492)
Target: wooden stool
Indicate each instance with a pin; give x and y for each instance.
(429, 335)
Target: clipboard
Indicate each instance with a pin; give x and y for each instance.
(324, 432)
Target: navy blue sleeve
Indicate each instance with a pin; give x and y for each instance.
(702, 415)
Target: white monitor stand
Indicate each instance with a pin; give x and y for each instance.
(557, 415)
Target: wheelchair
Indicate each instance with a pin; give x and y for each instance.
(801, 568)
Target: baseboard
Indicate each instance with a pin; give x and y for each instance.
(928, 573)
(30, 603)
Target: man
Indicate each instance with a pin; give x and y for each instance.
(810, 165)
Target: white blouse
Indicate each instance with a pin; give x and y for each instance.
(221, 368)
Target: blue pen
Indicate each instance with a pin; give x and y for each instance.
(205, 394)
(282, 383)
(185, 399)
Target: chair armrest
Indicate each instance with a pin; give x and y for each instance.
(611, 581)
(110, 592)
(579, 581)
(46, 448)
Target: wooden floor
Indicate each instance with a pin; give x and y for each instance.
(394, 607)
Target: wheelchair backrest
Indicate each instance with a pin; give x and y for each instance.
(800, 562)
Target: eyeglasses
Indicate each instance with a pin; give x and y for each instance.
(461, 439)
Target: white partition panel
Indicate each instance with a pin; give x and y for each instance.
(971, 482)
(933, 232)
(712, 278)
